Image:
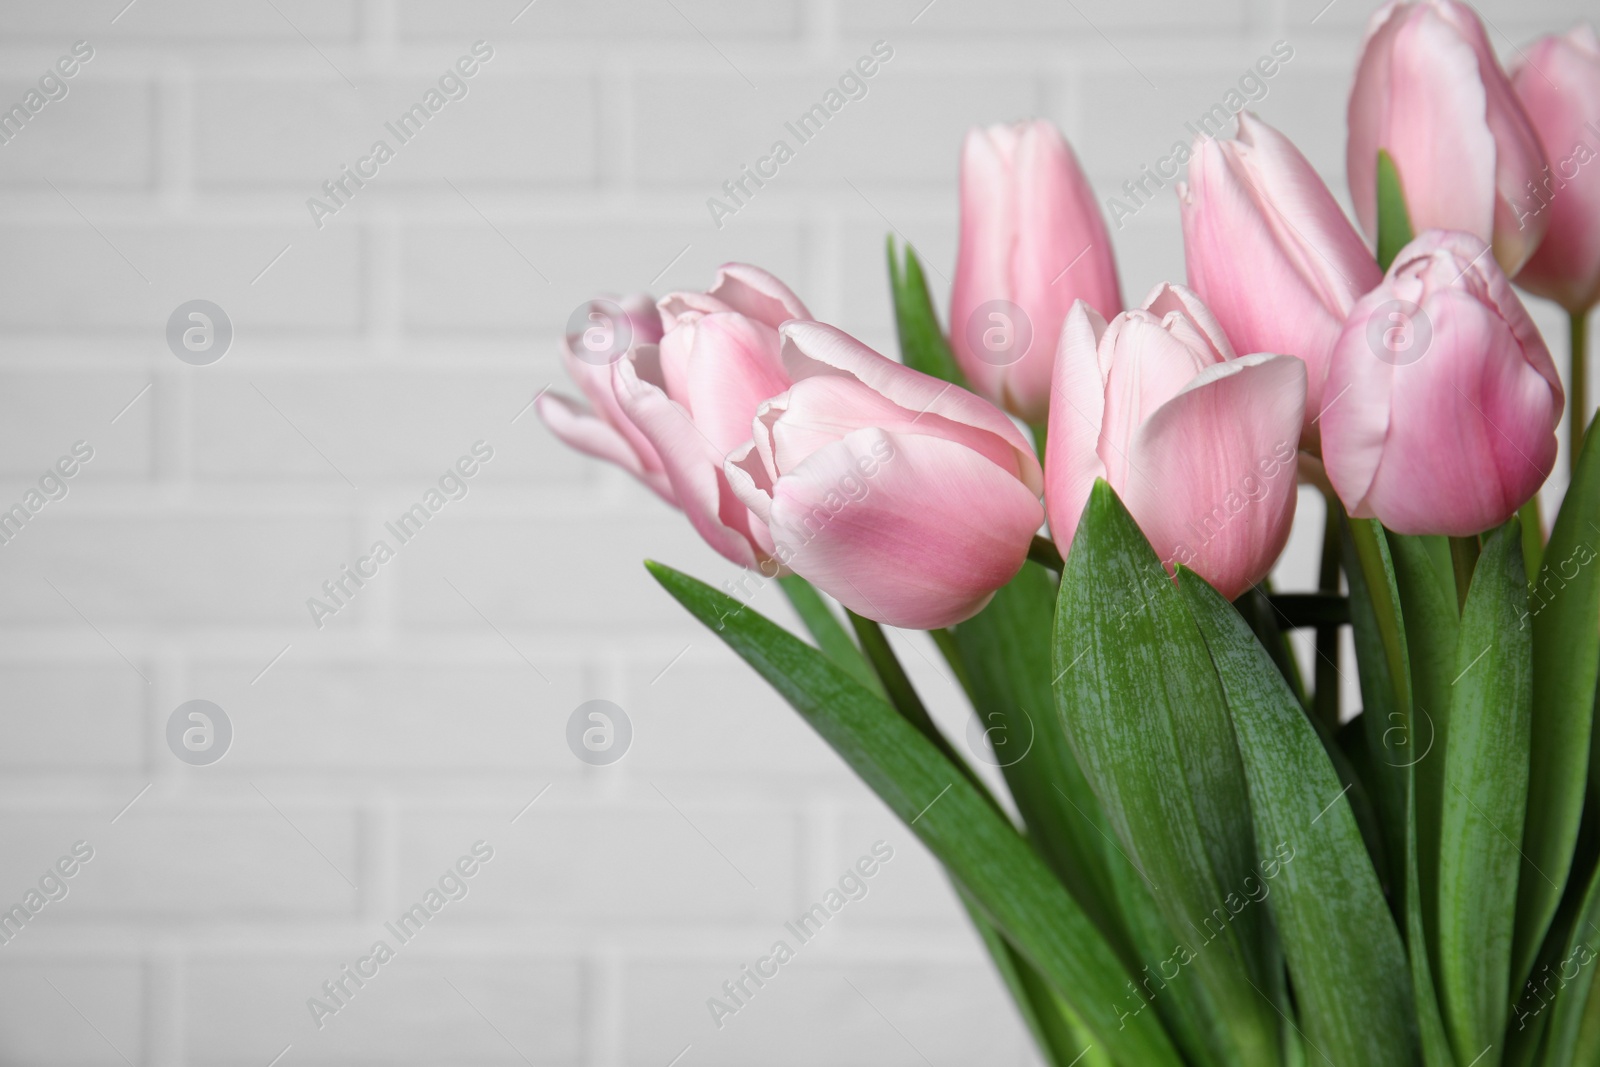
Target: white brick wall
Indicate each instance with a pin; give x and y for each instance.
(375, 351)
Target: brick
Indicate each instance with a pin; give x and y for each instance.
(44, 1025)
(324, 21)
(607, 867)
(170, 568)
(899, 1014)
(67, 275)
(82, 716)
(407, 1013)
(603, 20)
(507, 128)
(363, 715)
(467, 276)
(910, 888)
(709, 713)
(100, 134)
(240, 860)
(867, 309)
(590, 577)
(1014, 21)
(907, 128)
(42, 415)
(400, 428)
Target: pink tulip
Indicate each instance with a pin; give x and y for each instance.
(1442, 398)
(908, 499)
(1032, 242)
(1270, 252)
(1430, 91)
(1559, 85)
(602, 430)
(670, 413)
(1198, 443)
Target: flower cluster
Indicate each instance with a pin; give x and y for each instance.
(1422, 395)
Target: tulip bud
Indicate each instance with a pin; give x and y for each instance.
(1269, 251)
(906, 498)
(1442, 398)
(1198, 443)
(1430, 92)
(599, 334)
(670, 413)
(1559, 86)
(1032, 243)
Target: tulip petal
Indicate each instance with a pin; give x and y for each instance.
(1467, 409)
(1077, 405)
(921, 541)
(1180, 309)
(595, 382)
(1455, 439)
(693, 465)
(1430, 81)
(1559, 86)
(1212, 473)
(593, 436)
(1150, 365)
(811, 349)
(1269, 250)
(734, 366)
(988, 234)
(821, 410)
(757, 294)
(1062, 254)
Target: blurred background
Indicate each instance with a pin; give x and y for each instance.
(353, 763)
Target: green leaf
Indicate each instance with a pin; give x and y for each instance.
(1054, 1027)
(1425, 582)
(1485, 797)
(1386, 700)
(1380, 633)
(828, 631)
(981, 851)
(1394, 221)
(1270, 624)
(1344, 952)
(1575, 1004)
(1144, 712)
(1562, 608)
(1005, 653)
(922, 342)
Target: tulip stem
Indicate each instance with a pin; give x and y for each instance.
(1044, 552)
(903, 695)
(1464, 557)
(829, 632)
(1577, 392)
(1326, 701)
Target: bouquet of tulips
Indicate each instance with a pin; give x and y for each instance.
(1201, 860)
